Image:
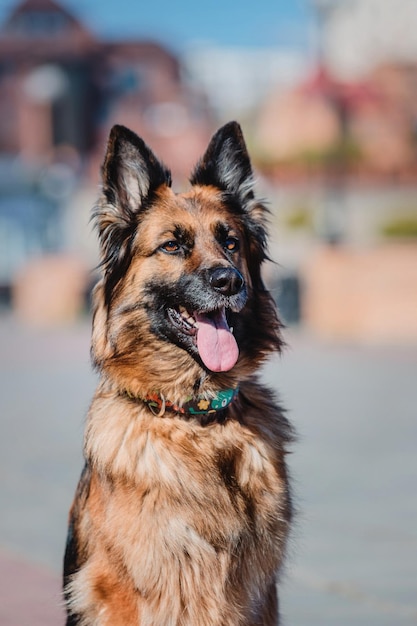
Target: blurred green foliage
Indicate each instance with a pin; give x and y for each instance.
(401, 227)
(299, 218)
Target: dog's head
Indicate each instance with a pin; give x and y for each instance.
(182, 286)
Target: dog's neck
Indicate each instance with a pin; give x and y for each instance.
(201, 406)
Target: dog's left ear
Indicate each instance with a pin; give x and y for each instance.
(226, 165)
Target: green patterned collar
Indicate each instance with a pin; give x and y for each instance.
(192, 406)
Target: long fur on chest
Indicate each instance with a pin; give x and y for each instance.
(195, 517)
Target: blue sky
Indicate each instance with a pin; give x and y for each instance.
(283, 23)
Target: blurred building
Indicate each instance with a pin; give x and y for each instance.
(237, 80)
(365, 127)
(61, 89)
(361, 34)
(356, 113)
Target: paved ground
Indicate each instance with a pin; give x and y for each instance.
(353, 557)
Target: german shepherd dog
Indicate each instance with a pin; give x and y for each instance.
(183, 509)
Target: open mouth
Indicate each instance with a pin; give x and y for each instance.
(183, 320)
(211, 334)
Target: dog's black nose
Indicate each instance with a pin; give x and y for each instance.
(226, 280)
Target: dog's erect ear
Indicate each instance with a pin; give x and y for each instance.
(130, 173)
(226, 164)
(130, 170)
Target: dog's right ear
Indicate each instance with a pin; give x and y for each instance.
(130, 174)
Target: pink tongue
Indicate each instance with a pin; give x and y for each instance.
(216, 345)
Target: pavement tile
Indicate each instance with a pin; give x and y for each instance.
(29, 595)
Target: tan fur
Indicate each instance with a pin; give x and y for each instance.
(176, 523)
(157, 492)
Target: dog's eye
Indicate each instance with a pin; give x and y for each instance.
(231, 244)
(170, 247)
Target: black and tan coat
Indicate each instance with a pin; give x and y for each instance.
(179, 519)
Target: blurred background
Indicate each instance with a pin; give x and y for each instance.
(326, 93)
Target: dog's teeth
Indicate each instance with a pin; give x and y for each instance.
(231, 329)
(186, 316)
